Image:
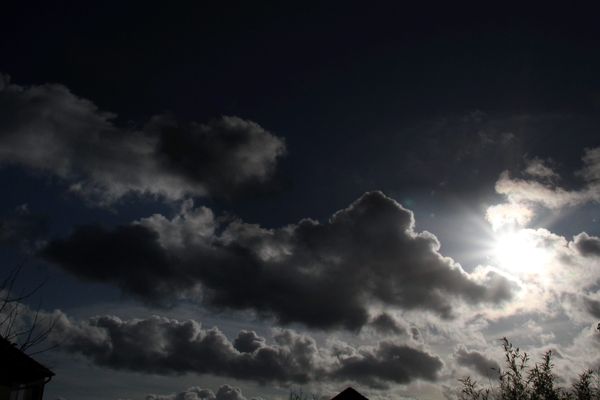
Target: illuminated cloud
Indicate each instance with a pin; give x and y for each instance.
(508, 215)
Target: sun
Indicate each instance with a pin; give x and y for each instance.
(520, 252)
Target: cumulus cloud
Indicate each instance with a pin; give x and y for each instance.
(321, 274)
(553, 270)
(389, 362)
(478, 362)
(47, 128)
(225, 392)
(159, 345)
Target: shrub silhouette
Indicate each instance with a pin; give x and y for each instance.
(519, 382)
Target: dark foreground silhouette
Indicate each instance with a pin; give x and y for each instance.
(20, 375)
(519, 381)
(349, 394)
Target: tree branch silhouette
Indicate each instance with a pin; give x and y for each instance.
(25, 335)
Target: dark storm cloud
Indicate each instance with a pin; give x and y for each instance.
(389, 362)
(323, 275)
(22, 227)
(159, 345)
(586, 245)
(47, 128)
(477, 362)
(225, 392)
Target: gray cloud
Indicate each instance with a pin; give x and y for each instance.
(386, 324)
(477, 362)
(225, 155)
(586, 245)
(248, 341)
(323, 275)
(159, 345)
(225, 392)
(389, 362)
(47, 128)
(165, 346)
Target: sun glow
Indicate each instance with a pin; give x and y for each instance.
(520, 252)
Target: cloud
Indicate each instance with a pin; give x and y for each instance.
(47, 128)
(477, 362)
(159, 345)
(165, 346)
(538, 190)
(323, 275)
(386, 324)
(592, 306)
(225, 392)
(538, 193)
(508, 215)
(539, 169)
(143, 266)
(248, 342)
(389, 362)
(586, 245)
(225, 154)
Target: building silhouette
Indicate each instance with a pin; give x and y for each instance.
(349, 394)
(21, 377)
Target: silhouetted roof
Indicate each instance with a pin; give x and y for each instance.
(349, 394)
(17, 367)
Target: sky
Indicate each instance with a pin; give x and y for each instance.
(231, 201)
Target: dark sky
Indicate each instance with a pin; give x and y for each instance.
(348, 174)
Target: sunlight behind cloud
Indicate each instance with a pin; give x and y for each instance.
(520, 253)
(508, 214)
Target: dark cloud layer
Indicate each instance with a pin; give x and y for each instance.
(477, 362)
(323, 275)
(47, 128)
(159, 345)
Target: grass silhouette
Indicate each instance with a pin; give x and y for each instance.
(518, 381)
